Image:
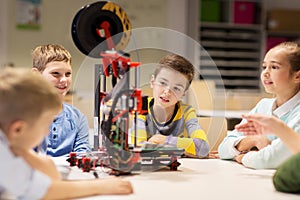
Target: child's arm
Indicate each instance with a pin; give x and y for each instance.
(74, 189)
(77, 189)
(42, 163)
(228, 147)
(195, 141)
(236, 143)
(141, 135)
(249, 142)
(261, 124)
(194, 146)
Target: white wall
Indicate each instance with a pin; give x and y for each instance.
(3, 32)
(56, 19)
(57, 16)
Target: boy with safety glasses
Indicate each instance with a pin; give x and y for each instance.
(169, 121)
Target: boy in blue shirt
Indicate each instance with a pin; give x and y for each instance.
(69, 131)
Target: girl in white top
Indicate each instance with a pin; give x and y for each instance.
(280, 76)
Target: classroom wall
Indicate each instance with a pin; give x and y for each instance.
(57, 15)
(3, 31)
(288, 4)
(56, 19)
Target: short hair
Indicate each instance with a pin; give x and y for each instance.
(293, 54)
(177, 63)
(25, 95)
(44, 54)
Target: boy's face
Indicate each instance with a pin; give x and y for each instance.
(169, 86)
(60, 75)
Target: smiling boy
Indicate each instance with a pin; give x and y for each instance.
(69, 130)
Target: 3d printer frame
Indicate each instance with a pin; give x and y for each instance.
(112, 109)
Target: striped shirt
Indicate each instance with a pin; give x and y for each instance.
(182, 130)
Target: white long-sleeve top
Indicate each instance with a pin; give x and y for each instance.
(274, 154)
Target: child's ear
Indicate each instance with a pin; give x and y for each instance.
(297, 76)
(16, 128)
(152, 81)
(35, 70)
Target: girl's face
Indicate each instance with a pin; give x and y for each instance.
(275, 75)
(169, 86)
(60, 75)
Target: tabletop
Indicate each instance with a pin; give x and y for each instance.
(197, 179)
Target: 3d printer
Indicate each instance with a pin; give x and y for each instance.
(102, 30)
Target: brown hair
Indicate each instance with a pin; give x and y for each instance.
(178, 63)
(25, 95)
(44, 54)
(293, 54)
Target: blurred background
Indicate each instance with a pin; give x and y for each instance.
(234, 34)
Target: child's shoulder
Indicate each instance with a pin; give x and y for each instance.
(70, 109)
(185, 106)
(266, 101)
(185, 109)
(264, 105)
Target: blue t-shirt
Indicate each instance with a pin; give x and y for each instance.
(69, 132)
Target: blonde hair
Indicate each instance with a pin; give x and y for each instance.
(25, 95)
(44, 54)
(177, 63)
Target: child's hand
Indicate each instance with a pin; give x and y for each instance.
(252, 141)
(239, 158)
(259, 124)
(247, 128)
(115, 186)
(158, 139)
(261, 142)
(213, 155)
